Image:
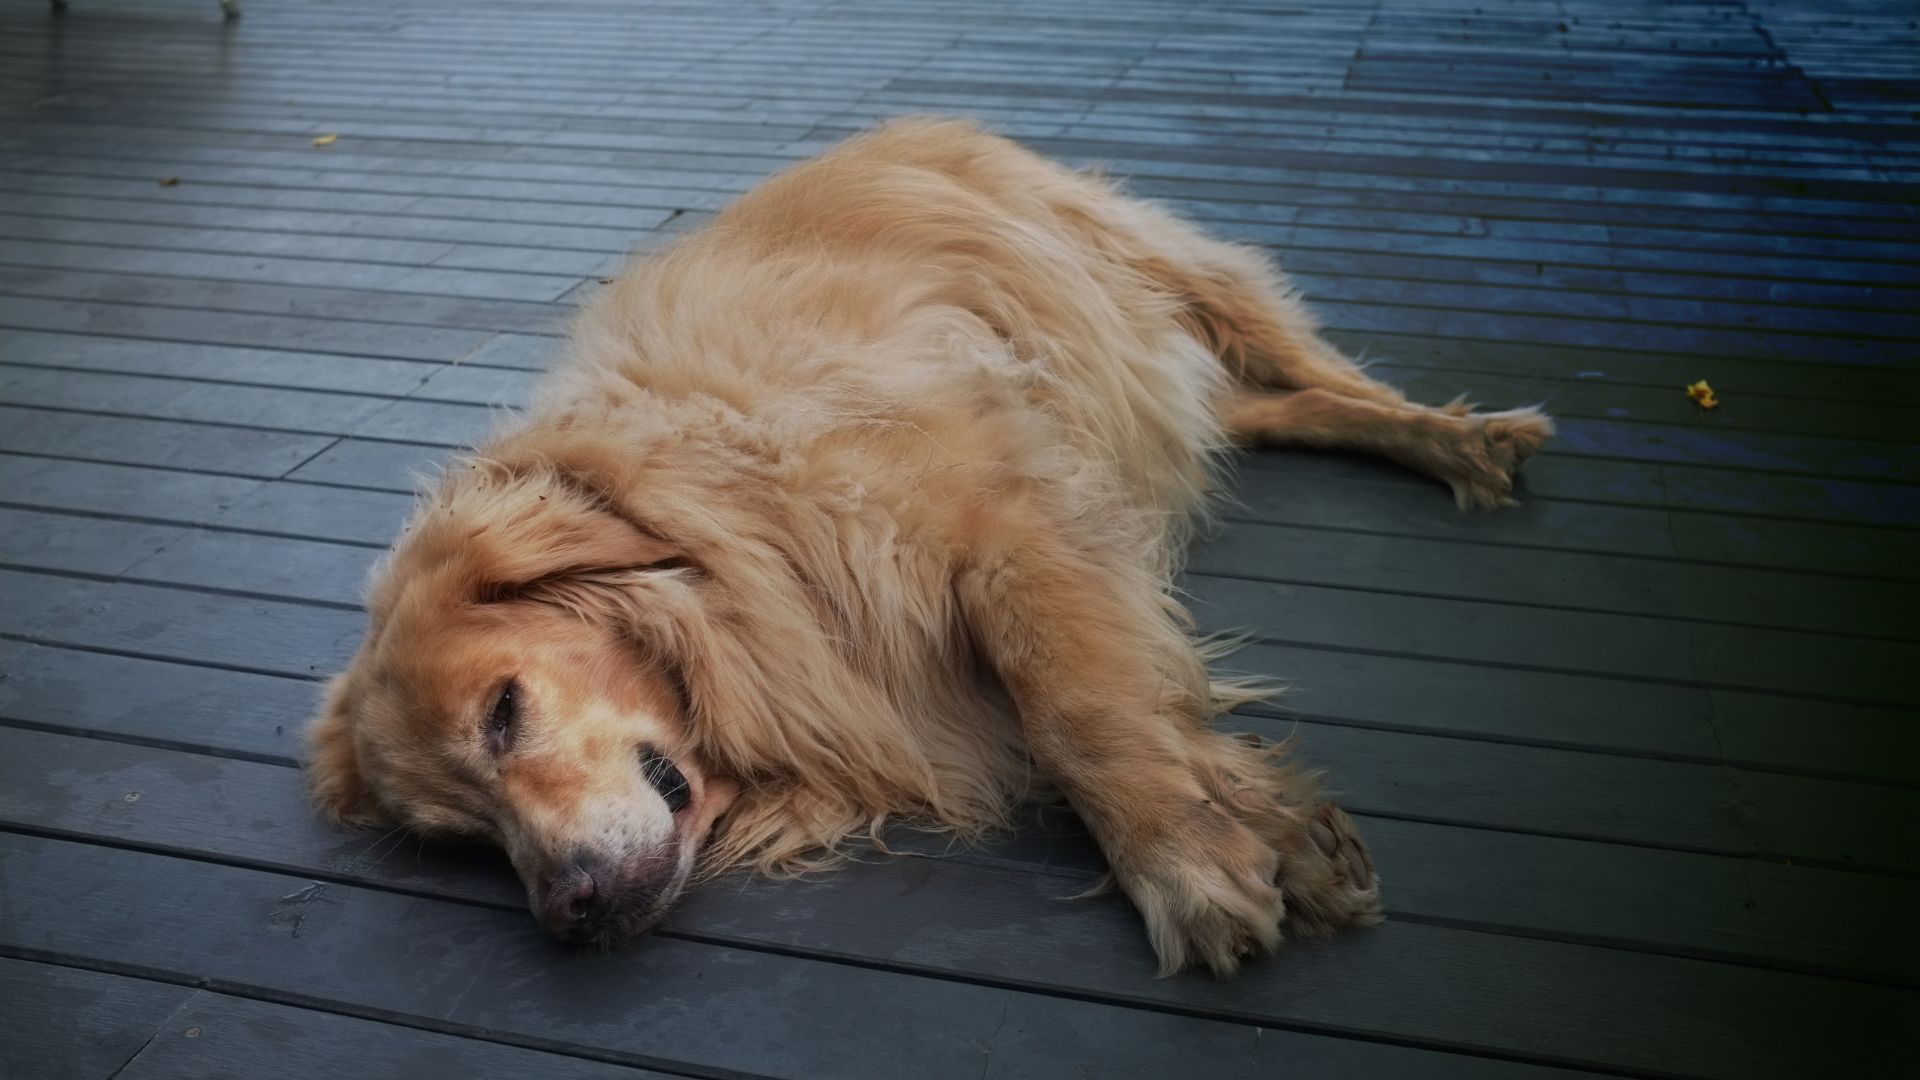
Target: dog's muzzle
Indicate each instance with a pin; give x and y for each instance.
(595, 901)
(576, 903)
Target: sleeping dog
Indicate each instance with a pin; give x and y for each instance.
(862, 505)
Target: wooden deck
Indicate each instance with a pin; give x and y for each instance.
(1638, 759)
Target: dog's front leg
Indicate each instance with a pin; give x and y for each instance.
(1209, 839)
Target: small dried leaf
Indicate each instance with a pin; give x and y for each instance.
(169, 181)
(1702, 395)
(326, 140)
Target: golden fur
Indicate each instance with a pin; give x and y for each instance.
(861, 505)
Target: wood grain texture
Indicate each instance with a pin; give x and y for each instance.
(673, 1003)
(1402, 773)
(1638, 758)
(64, 1023)
(251, 813)
(221, 1037)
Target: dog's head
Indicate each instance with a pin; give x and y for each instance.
(503, 692)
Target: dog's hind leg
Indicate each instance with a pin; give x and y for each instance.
(1475, 454)
(1296, 389)
(1234, 300)
(1241, 306)
(1216, 846)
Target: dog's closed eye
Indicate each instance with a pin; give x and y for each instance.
(665, 778)
(503, 720)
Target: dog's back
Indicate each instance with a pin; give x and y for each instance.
(950, 296)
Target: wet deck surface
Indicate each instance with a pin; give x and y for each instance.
(1638, 758)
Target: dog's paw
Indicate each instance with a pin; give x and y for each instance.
(1326, 874)
(1247, 869)
(1207, 896)
(1516, 434)
(1485, 450)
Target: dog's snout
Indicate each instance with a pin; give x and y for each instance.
(576, 902)
(589, 898)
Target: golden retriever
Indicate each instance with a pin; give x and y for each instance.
(860, 505)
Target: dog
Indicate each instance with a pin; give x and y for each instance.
(862, 505)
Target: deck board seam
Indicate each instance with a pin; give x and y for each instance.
(349, 879)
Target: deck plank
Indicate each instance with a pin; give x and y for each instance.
(1403, 773)
(677, 1003)
(1247, 551)
(1638, 755)
(1551, 887)
(219, 1035)
(67, 1022)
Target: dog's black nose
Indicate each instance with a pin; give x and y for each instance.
(576, 904)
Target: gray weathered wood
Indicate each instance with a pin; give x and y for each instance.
(218, 1035)
(1585, 736)
(671, 1002)
(63, 1023)
(1744, 910)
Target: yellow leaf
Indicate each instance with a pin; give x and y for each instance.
(1702, 395)
(325, 140)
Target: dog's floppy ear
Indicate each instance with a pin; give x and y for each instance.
(333, 762)
(551, 538)
(576, 545)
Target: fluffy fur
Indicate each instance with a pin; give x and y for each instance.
(862, 504)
